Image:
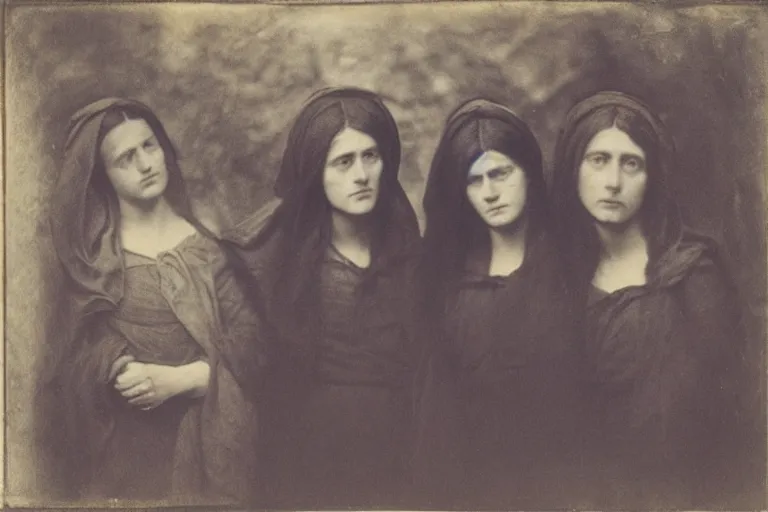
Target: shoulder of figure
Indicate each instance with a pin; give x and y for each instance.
(249, 231)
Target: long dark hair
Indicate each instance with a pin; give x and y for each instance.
(454, 228)
(305, 213)
(659, 217)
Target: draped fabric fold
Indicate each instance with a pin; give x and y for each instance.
(182, 307)
(669, 378)
(501, 422)
(340, 388)
(666, 358)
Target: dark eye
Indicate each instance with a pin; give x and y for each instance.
(597, 160)
(125, 160)
(632, 165)
(500, 174)
(151, 144)
(343, 162)
(371, 156)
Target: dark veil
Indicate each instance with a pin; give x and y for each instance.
(454, 229)
(474, 382)
(675, 253)
(661, 219)
(285, 242)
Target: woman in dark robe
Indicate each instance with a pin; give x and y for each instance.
(332, 256)
(501, 423)
(661, 323)
(152, 372)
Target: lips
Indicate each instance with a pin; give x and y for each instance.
(363, 192)
(611, 203)
(496, 209)
(149, 179)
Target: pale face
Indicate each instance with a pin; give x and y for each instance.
(352, 172)
(496, 187)
(134, 161)
(612, 178)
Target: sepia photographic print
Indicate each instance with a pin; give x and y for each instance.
(384, 255)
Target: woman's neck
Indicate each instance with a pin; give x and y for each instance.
(350, 235)
(620, 243)
(507, 249)
(623, 258)
(152, 229)
(146, 215)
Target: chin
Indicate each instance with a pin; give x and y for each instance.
(498, 223)
(611, 219)
(357, 212)
(155, 191)
(614, 223)
(363, 208)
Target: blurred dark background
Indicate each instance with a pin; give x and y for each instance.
(228, 80)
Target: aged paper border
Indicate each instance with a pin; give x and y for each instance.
(299, 3)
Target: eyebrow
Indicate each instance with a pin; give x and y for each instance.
(608, 153)
(132, 150)
(373, 147)
(493, 169)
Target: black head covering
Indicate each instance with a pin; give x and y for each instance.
(660, 217)
(287, 239)
(453, 227)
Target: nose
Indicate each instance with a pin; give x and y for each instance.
(613, 177)
(359, 173)
(489, 193)
(143, 161)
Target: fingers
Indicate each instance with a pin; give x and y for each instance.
(119, 365)
(146, 401)
(128, 382)
(132, 375)
(139, 389)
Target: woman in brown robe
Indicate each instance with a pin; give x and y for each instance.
(153, 370)
(331, 255)
(661, 321)
(501, 420)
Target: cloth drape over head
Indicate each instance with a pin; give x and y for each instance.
(84, 221)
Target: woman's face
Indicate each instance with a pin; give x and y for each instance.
(496, 187)
(134, 161)
(352, 172)
(612, 178)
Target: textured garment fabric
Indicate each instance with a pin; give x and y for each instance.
(182, 307)
(665, 363)
(338, 395)
(503, 402)
(340, 434)
(674, 395)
